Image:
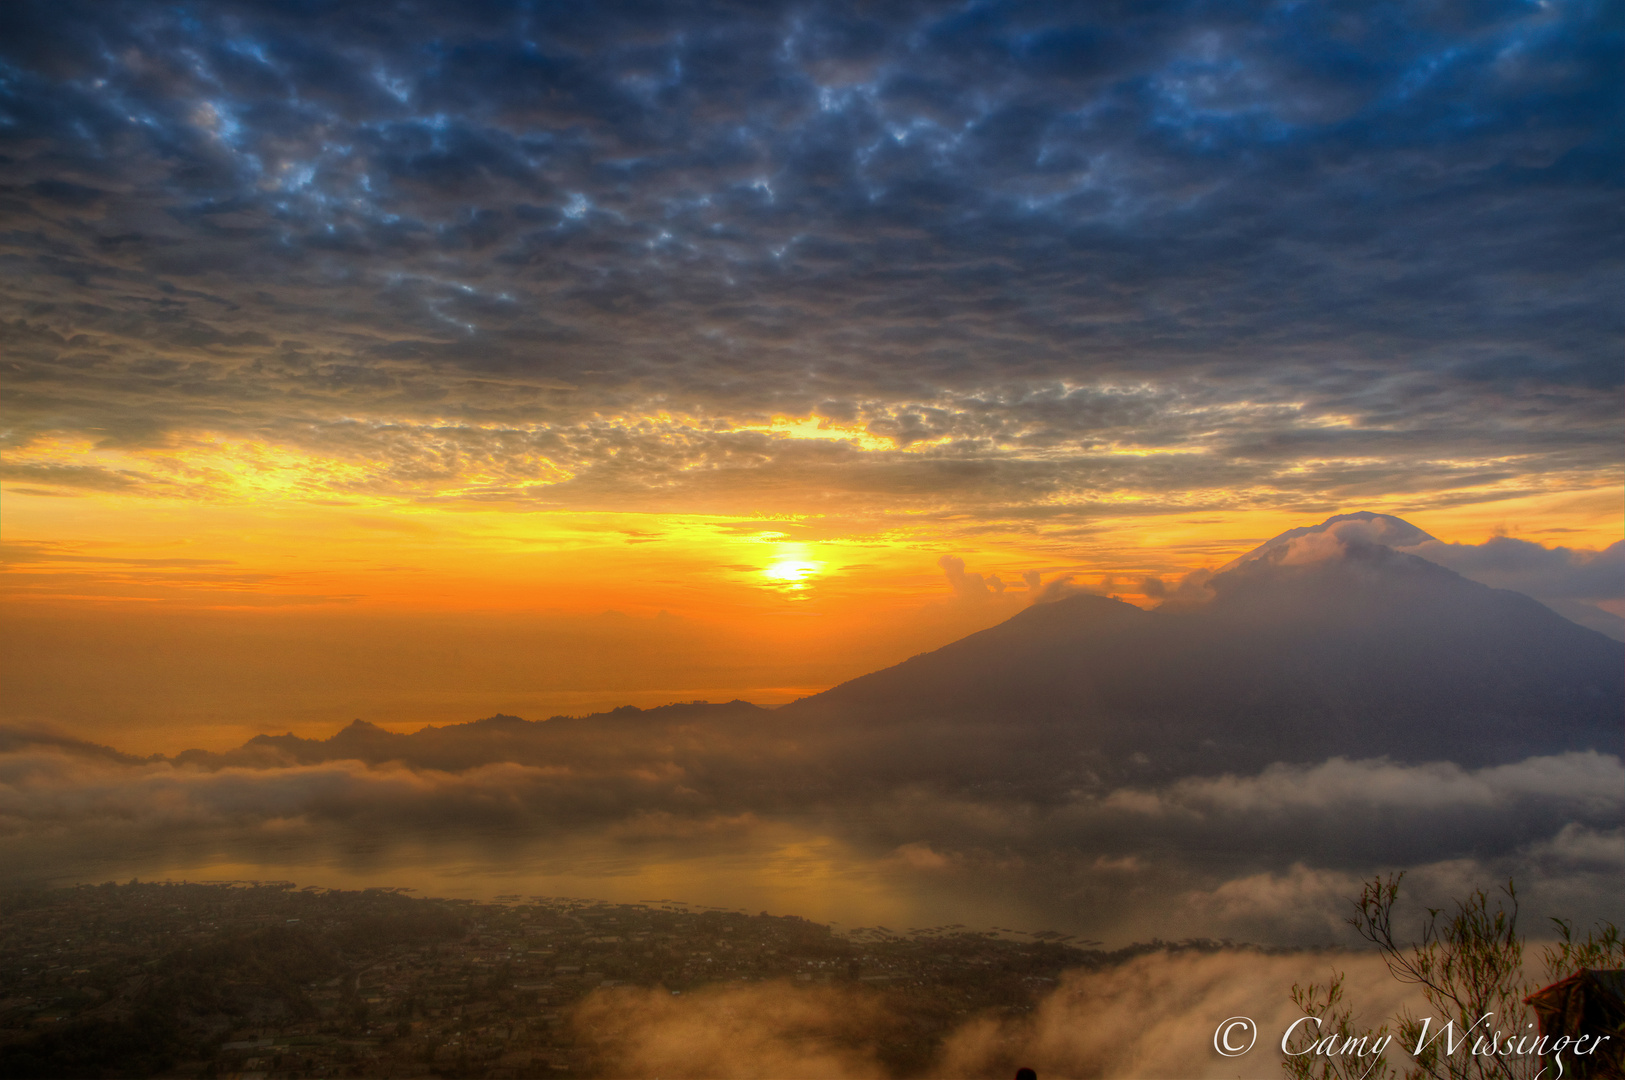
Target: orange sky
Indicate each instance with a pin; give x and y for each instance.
(346, 374)
(244, 601)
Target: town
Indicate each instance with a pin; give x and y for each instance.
(270, 980)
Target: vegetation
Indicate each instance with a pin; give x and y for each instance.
(1469, 967)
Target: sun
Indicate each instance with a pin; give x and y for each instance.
(792, 568)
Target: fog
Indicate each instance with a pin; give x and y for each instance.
(1271, 857)
(1153, 1016)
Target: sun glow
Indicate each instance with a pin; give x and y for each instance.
(813, 427)
(792, 567)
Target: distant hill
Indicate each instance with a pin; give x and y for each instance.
(1323, 642)
(615, 738)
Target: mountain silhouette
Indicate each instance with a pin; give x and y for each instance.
(1321, 642)
(1325, 641)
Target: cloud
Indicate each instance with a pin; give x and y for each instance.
(1155, 1015)
(1270, 857)
(73, 476)
(1149, 1016)
(1013, 251)
(1058, 588)
(1303, 834)
(981, 589)
(772, 1030)
(968, 586)
(1339, 785)
(1555, 573)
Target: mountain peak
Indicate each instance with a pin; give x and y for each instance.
(1335, 639)
(1332, 538)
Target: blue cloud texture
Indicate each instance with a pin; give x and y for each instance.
(1323, 250)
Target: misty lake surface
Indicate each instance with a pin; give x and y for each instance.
(775, 867)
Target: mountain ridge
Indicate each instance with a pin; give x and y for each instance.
(1364, 652)
(1321, 642)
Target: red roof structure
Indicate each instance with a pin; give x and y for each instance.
(1589, 1003)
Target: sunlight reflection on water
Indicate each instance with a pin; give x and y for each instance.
(778, 868)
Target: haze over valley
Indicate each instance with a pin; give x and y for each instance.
(1229, 764)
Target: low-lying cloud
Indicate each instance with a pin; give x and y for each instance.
(1268, 857)
(1152, 1016)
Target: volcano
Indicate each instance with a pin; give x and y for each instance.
(1326, 641)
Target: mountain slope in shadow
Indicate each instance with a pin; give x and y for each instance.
(1317, 644)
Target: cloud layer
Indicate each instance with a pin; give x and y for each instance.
(1271, 857)
(581, 258)
(1152, 1016)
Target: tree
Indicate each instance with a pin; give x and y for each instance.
(1469, 967)
(1365, 1060)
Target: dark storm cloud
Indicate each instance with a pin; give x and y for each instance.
(1280, 235)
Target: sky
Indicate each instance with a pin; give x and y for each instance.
(417, 362)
